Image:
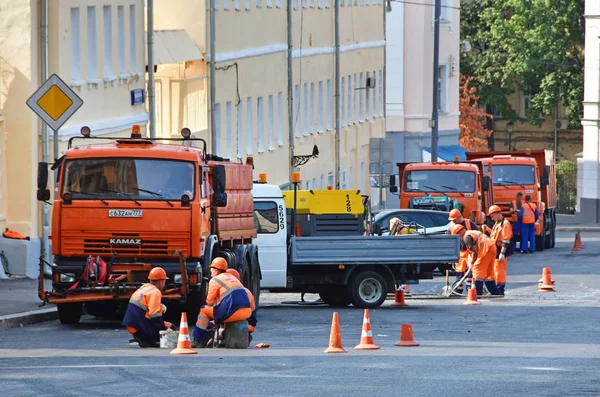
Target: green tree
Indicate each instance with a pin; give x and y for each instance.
(531, 45)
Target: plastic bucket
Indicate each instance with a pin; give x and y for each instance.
(168, 339)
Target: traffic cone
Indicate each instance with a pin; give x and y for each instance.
(406, 336)
(335, 338)
(407, 290)
(366, 337)
(577, 246)
(399, 298)
(472, 295)
(298, 233)
(184, 344)
(546, 270)
(547, 284)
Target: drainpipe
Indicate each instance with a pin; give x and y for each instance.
(290, 102)
(337, 94)
(213, 88)
(45, 248)
(150, 33)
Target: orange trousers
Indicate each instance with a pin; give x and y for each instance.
(207, 314)
(483, 268)
(500, 271)
(461, 265)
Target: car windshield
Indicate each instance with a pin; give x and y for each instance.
(446, 181)
(423, 218)
(126, 179)
(513, 175)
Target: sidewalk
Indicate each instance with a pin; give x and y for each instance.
(19, 303)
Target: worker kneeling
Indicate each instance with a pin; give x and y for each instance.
(483, 250)
(143, 317)
(227, 301)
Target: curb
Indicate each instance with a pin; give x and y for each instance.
(578, 228)
(28, 318)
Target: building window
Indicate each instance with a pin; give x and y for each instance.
(217, 116)
(304, 3)
(320, 104)
(121, 25)
(363, 187)
(374, 95)
(525, 106)
(228, 127)
(295, 4)
(240, 115)
(248, 5)
(269, 3)
(330, 179)
(259, 124)
(320, 4)
(381, 93)
(328, 99)
(344, 186)
(350, 179)
(322, 182)
(280, 119)
(367, 99)
(327, 3)
(75, 58)
(308, 185)
(91, 40)
(446, 11)
(249, 126)
(350, 100)
(312, 3)
(341, 3)
(312, 108)
(107, 41)
(258, 3)
(238, 6)
(356, 94)
(314, 183)
(278, 3)
(216, 5)
(442, 89)
(132, 39)
(226, 5)
(297, 115)
(271, 123)
(305, 115)
(342, 103)
(361, 88)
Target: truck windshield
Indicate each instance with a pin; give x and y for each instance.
(513, 175)
(447, 181)
(127, 179)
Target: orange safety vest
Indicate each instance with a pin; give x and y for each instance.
(516, 206)
(221, 286)
(502, 232)
(529, 213)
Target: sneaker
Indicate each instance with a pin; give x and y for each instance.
(142, 343)
(198, 344)
(531, 251)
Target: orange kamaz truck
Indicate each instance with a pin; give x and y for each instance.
(126, 205)
(532, 173)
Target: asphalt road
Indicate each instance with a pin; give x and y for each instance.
(526, 344)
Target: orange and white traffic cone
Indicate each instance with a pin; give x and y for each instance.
(399, 298)
(298, 232)
(577, 246)
(335, 338)
(406, 336)
(184, 344)
(366, 337)
(546, 270)
(472, 296)
(547, 284)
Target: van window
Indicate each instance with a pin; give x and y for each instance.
(266, 219)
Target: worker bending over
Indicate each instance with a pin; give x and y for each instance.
(226, 301)
(483, 250)
(252, 319)
(501, 233)
(461, 266)
(143, 317)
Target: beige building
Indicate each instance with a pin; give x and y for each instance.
(251, 112)
(97, 48)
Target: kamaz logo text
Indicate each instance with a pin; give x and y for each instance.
(125, 241)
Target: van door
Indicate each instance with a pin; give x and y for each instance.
(270, 224)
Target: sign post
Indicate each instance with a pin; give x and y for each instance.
(380, 163)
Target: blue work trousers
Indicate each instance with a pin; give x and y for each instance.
(527, 236)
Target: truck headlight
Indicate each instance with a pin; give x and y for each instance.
(67, 277)
(177, 278)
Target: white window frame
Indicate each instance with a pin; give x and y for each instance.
(91, 43)
(330, 180)
(280, 119)
(320, 111)
(249, 134)
(312, 108)
(271, 122)
(217, 117)
(133, 39)
(446, 12)
(259, 125)
(443, 88)
(107, 33)
(328, 105)
(228, 123)
(239, 121)
(121, 39)
(75, 16)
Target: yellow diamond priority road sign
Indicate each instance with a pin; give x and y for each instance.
(55, 102)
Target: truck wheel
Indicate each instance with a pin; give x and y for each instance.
(367, 290)
(540, 241)
(69, 313)
(335, 297)
(255, 283)
(553, 238)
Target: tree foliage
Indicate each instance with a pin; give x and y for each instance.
(535, 46)
(473, 134)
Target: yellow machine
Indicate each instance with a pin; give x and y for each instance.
(321, 202)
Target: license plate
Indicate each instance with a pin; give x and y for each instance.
(125, 213)
(528, 190)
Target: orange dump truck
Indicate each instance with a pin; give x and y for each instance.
(127, 205)
(532, 173)
(444, 186)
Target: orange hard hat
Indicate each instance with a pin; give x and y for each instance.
(219, 263)
(454, 214)
(456, 228)
(493, 209)
(158, 273)
(234, 272)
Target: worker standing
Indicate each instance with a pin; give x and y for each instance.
(143, 317)
(501, 233)
(226, 301)
(514, 211)
(528, 216)
(252, 319)
(483, 249)
(461, 266)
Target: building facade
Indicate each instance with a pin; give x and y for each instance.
(409, 84)
(251, 101)
(97, 48)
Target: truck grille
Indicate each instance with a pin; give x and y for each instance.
(152, 245)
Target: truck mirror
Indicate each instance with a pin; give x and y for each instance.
(377, 229)
(393, 184)
(545, 179)
(486, 182)
(43, 194)
(42, 181)
(219, 198)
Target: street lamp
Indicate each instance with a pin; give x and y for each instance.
(509, 129)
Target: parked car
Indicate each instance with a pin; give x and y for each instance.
(426, 221)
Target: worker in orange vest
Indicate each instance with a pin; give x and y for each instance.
(143, 318)
(461, 266)
(483, 250)
(528, 216)
(252, 319)
(456, 217)
(501, 233)
(226, 301)
(514, 212)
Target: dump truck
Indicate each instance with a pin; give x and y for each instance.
(445, 186)
(127, 205)
(342, 265)
(532, 173)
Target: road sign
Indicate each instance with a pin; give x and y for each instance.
(386, 150)
(54, 102)
(379, 181)
(387, 168)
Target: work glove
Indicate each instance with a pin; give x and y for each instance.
(501, 257)
(173, 327)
